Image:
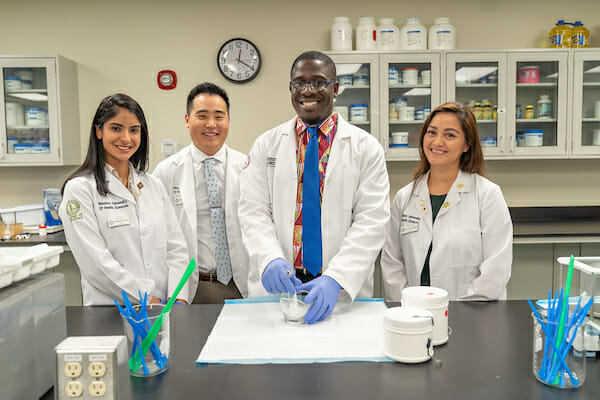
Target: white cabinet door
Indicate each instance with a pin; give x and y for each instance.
(357, 75)
(586, 103)
(410, 87)
(537, 92)
(478, 79)
(39, 113)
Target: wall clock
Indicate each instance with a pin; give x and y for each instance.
(239, 60)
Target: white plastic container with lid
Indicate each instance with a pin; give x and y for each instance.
(342, 110)
(407, 334)
(341, 34)
(366, 34)
(388, 35)
(400, 139)
(410, 76)
(534, 138)
(35, 116)
(360, 79)
(15, 114)
(413, 35)
(10, 143)
(434, 300)
(26, 84)
(406, 113)
(22, 148)
(12, 83)
(25, 74)
(345, 80)
(544, 107)
(358, 112)
(442, 35)
(426, 77)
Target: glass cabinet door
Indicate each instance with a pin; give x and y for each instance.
(478, 81)
(538, 98)
(410, 88)
(29, 117)
(357, 100)
(586, 103)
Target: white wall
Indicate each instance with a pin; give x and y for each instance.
(121, 45)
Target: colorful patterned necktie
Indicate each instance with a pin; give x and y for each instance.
(311, 206)
(217, 221)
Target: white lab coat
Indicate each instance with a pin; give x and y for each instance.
(119, 243)
(177, 174)
(354, 206)
(471, 255)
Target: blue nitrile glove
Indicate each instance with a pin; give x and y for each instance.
(280, 277)
(322, 293)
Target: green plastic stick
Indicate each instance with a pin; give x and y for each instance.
(158, 323)
(564, 311)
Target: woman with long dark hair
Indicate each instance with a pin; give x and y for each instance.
(450, 227)
(118, 220)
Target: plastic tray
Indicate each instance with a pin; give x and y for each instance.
(18, 263)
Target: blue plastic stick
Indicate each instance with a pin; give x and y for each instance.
(553, 343)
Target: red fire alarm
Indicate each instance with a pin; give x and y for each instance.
(167, 79)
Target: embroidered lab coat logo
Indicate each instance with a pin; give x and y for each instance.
(74, 210)
(271, 162)
(409, 224)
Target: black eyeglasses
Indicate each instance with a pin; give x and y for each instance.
(317, 86)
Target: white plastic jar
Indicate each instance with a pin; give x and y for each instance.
(12, 83)
(406, 113)
(434, 300)
(399, 139)
(35, 116)
(413, 35)
(366, 34)
(410, 76)
(358, 112)
(534, 138)
(442, 35)
(407, 334)
(341, 34)
(388, 35)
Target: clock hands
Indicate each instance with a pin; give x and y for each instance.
(249, 66)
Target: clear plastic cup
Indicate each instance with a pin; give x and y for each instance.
(547, 367)
(158, 357)
(293, 307)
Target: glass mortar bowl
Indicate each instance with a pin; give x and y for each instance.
(293, 307)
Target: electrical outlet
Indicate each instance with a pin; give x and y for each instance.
(93, 367)
(73, 369)
(74, 389)
(97, 388)
(97, 369)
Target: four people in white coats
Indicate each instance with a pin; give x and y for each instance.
(466, 248)
(118, 220)
(354, 197)
(183, 175)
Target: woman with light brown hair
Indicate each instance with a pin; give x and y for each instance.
(450, 227)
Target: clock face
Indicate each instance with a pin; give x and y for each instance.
(239, 60)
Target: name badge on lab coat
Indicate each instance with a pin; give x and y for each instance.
(177, 196)
(409, 224)
(118, 221)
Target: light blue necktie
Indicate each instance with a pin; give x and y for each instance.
(311, 206)
(217, 221)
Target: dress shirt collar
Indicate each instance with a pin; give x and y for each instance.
(325, 128)
(198, 156)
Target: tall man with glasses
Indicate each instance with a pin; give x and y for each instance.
(314, 200)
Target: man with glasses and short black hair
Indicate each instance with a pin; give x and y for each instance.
(314, 201)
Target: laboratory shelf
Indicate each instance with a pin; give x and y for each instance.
(396, 86)
(414, 122)
(487, 121)
(536, 120)
(596, 84)
(350, 87)
(360, 123)
(541, 84)
(590, 119)
(476, 85)
(26, 128)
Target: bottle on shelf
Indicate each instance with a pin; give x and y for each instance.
(560, 35)
(580, 36)
(486, 110)
(388, 35)
(477, 110)
(529, 113)
(413, 35)
(442, 34)
(544, 107)
(366, 34)
(341, 34)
